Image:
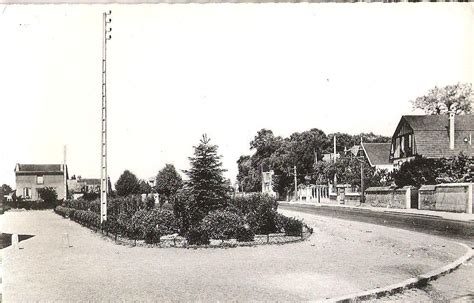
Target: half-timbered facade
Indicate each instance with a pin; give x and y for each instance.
(432, 136)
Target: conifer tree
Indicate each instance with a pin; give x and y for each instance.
(206, 181)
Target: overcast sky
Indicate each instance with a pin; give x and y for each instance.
(228, 70)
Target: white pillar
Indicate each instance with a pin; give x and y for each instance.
(408, 198)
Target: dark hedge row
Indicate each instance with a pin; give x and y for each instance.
(130, 217)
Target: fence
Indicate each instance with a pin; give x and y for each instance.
(452, 197)
(389, 197)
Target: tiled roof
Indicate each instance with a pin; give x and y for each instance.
(377, 153)
(440, 122)
(432, 135)
(91, 181)
(49, 168)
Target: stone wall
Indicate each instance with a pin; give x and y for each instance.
(389, 197)
(452, 197)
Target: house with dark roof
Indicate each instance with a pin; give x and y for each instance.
(31, 177)
(378, 155)
(77, 186)
(432, 136)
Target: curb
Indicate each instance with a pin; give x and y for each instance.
(418, 281)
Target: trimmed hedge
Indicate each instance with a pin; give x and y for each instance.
(221, 224)
(242, 219)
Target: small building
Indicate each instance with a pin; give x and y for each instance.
(77, 186)
(378, 155)
(267, 183)
(432, 136)
(31, 177)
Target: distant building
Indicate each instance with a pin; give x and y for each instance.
(77, 186)
(267, 183)
(432, 136)
(31, 177)
(378, 155)
(329, 157)
(151, 181)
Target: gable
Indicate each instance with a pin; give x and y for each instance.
(377, 153)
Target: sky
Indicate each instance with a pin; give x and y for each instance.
(176, 71)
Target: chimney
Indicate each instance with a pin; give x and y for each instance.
(451, 130)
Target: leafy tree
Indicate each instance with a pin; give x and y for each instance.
(145, 188)
(6, 189)
(127, 184)
(423, 171)
(249, 177)
(168, 182)
(48, 194)
(206, 181)
(439, 101)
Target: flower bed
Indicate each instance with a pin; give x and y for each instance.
(244, 221)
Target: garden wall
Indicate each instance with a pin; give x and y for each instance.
(390, 197)
(452, 197)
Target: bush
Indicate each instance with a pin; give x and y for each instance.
(64, 211)
(197, 236)
(86, 217)
(221, 224)
(159, 220)
(260, 212)
(152, 235)
(293, 227)
(48, 195)
(181, 202)
(244, 234)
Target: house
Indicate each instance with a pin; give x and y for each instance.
(267, 183)
(77, 186)
(31, 177)
(432, 136)
(329, 157)
(378, 155)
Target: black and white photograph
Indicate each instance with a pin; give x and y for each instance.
(208, 151)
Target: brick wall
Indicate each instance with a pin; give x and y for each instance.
(452, 197)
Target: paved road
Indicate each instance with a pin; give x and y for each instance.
(341, 257)
(452, 229)
(457, 286)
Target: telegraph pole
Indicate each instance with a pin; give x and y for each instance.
(104, 184)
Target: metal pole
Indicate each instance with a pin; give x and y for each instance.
(103, 153)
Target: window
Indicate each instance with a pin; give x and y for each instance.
(39, 180)
(27, 193)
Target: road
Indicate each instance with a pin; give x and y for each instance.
(457, 286)
(341, 257)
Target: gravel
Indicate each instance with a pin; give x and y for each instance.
(341, 257)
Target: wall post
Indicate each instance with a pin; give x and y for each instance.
(408, 198)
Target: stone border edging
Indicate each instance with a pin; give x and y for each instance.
(419, 281)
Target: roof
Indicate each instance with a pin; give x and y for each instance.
(377, 153)
(439, 122)
(38, 168)
(355, 149)
(91, 181)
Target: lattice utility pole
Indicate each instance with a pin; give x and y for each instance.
(103, 153)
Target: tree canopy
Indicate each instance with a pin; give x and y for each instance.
(145, 188)
(439, 101)
(127, 184)
(168, 182)
(300, 149)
